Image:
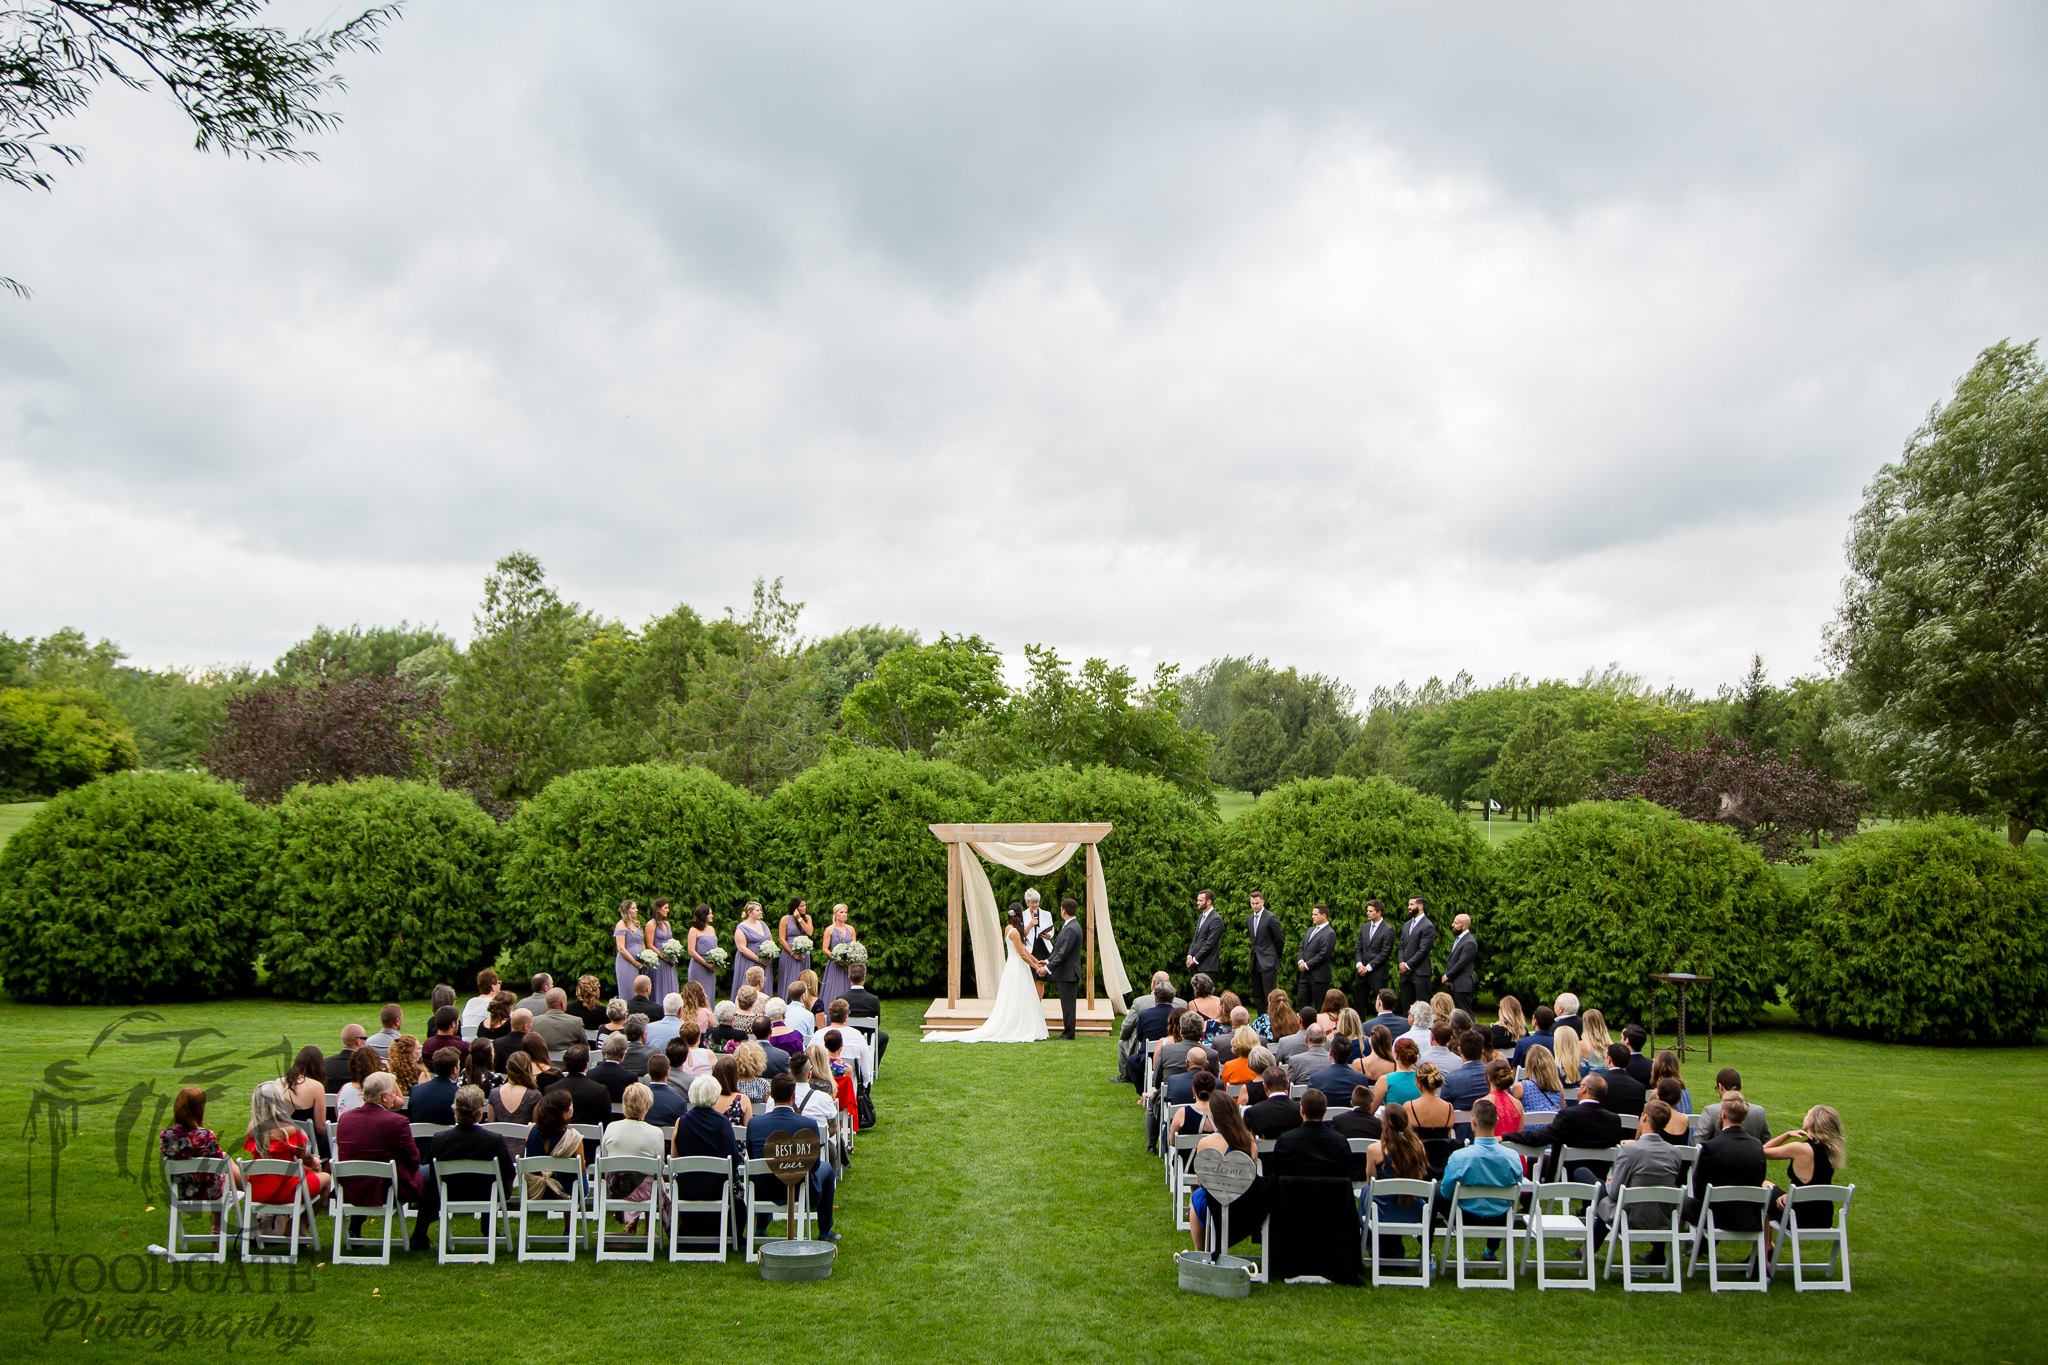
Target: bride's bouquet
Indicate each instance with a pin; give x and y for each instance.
(801, 945)
(851, 951)
(649, 958)
(769, 950)
(719, 958)
(673, 952)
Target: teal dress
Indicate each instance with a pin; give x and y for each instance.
(1401, 1087)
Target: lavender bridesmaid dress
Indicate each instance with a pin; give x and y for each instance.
(755, 935)
(707, 939)
(832, 981)
(789, 966)
(625, 974)
(664, 976)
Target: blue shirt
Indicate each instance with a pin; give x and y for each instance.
(1483, 1163)
(667, 1107)
(1548, 1040)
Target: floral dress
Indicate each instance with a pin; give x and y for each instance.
(193, 1144)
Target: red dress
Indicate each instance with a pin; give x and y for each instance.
(849, 1098)
(290, 1146)
(1509, 1110)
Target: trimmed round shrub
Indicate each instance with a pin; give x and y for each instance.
(379, 889)
(1152, 862)
(1929, 933)
(853, 829)
(134, 889)
(1342, 841)
(1600, 895)
(594, 838)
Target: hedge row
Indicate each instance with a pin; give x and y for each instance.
(154, 886)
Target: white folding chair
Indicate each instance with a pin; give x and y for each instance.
(451, 1249)
(869, 1025)
(212, 1243)
(1834, 1235)
(678, 1167)
(632, 1247)
(1647, 1215)
(1552, 1215)
(423, 1135)
(1295, 1092)
(1709, 1236)
(755, 1207)
(1380, 1224)
(332, 1100)
(511, 1132)
(1457, 1233)
(257, 1244)
(568, 1173)
(390, 1210)
(1178, 1155)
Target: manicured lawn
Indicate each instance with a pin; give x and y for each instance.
(15, 814)
(1006, 1210)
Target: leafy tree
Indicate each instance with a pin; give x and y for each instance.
(1767, 801)
(1251, 760)
(1315, 756)
(921, 692)
(247, 89)
(745, 717)
(1942, 635)
(839, 663)
(137, 888)
(368, 725)
(1931, 933)
(1543, 763)
(379, 889)
(171, 712)
(51, 741)
(357, 650)
(511, 697)
(1602, 894)
(1208, 692)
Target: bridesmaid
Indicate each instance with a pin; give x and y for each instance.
(834, 983)
(702, 938)
(789, 966)
(627, 943)
(746, 941)
(659, 932)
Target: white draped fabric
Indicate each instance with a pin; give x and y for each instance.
(984, 919)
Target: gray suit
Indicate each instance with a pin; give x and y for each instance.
(1646, 1161)
(1461, 972)
(560, 1030)
(1753, 1123)
(1418, 941)
(1207, 947)
(1063, 965)
(1375, 950)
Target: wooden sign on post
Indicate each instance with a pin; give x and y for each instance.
(791, 1158)
(1226, 1175)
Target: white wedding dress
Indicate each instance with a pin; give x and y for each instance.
(1018, 1016)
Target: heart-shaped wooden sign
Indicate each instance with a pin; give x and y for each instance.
(791, 1157)
(1225, 1175)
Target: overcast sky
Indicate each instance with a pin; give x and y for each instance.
(1381, 340)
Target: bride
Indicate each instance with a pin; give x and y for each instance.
(1019, 1015)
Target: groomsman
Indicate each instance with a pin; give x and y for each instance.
(1205, 952)
(1064, 963)
(1418, 941)
(1318, 945)
(1375, 950)
(1461, 973)
(1269, 947)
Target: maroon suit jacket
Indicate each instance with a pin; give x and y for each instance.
(370, 1132)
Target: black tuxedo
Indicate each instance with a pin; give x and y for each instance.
(593, 1102)
(613, 1077)
(1625, 1094)
(1375, 950)
(1639, 1067)
(862, 1003)
(1318, 945)
(337, 1072)
(1570, 1021)
(1309, 1149)
(1269, 948)
(1730, 1157)
(1461, 972)
(1206, 948)
(1576, 1125)
(1063, 965)
(1272, 1116)
(503, 1048)
(1418, 941)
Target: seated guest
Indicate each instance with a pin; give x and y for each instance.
(1650, 1160)
(702, 1131)
(633, 1136)
(1311, 1059)
(751, 1062)
(816, 1095)
(536, 1002)
(1283, 1027)
(1665, 1067)
(443, 1028)
(1181, 1089)
(782, 1032)
(1441, 1005)
(1204, 1001)
(1333, 1007)
(1569, 1069)
(469, 1141)
(1507, 1103)
(478, 1007)
(1229, 1134)
(1542, 1035)
(1542, 1089)
(1481, 1162)
(1398, 1086)
(1358, 1121)
(375, 1131)
(1310, 1148)
(552, 1135)
(1625, 1094)
(757, 977)
(1397, 1155)
(1238, 1069)
(1193, 1116)
(1379, 1057)
(1430, 1110)
(616, 1013)
(774, 1060)
(697, 1007)
(853, 1045)
(746, 1002)
(433, 1099)
(363, 1063)
(403, 1063)
(1421, 1024)
(591, 1008)
(694, 1059)
(1172, 1057)
(1337, 1080)
(1730, 1157)
(1350, 1026)
(1753, 1122)
(637, 1051)
(835, 1041)
(643, 1003)
(497, 1020)
(513, 1040)
(1565, 1012)
(724, 1035)
(1593, 1042)
(1256, 1066)
(1390, 1017)
(443, 998)
(558, 1028)
(391, 1020)
(1638, 1064)
(1587, 1123)
(1817, 1152)
(337, 1066)
(306, 1085)
(593, 1103)
(545, 1072)
(518, 1097)
(782, 1117)
(669, 1025)
(1461, 1022)
(1509, 1025)
(1142, 1026)
(801, 1013)
(1276, 1113)
(1675, 1127)
(189, 1139)
(1467, 1081)
(611, 1072)
(476, 1071)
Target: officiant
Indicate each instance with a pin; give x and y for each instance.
(1038, 932)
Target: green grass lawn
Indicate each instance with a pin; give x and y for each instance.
(15, 814)
(1005, 1209)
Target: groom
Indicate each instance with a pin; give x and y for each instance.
(1064, 964)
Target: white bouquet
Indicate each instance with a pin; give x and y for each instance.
(768, 951)
(718, 957)
(851, 951)
(801, 945)
(649, 959)
(673, 952)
